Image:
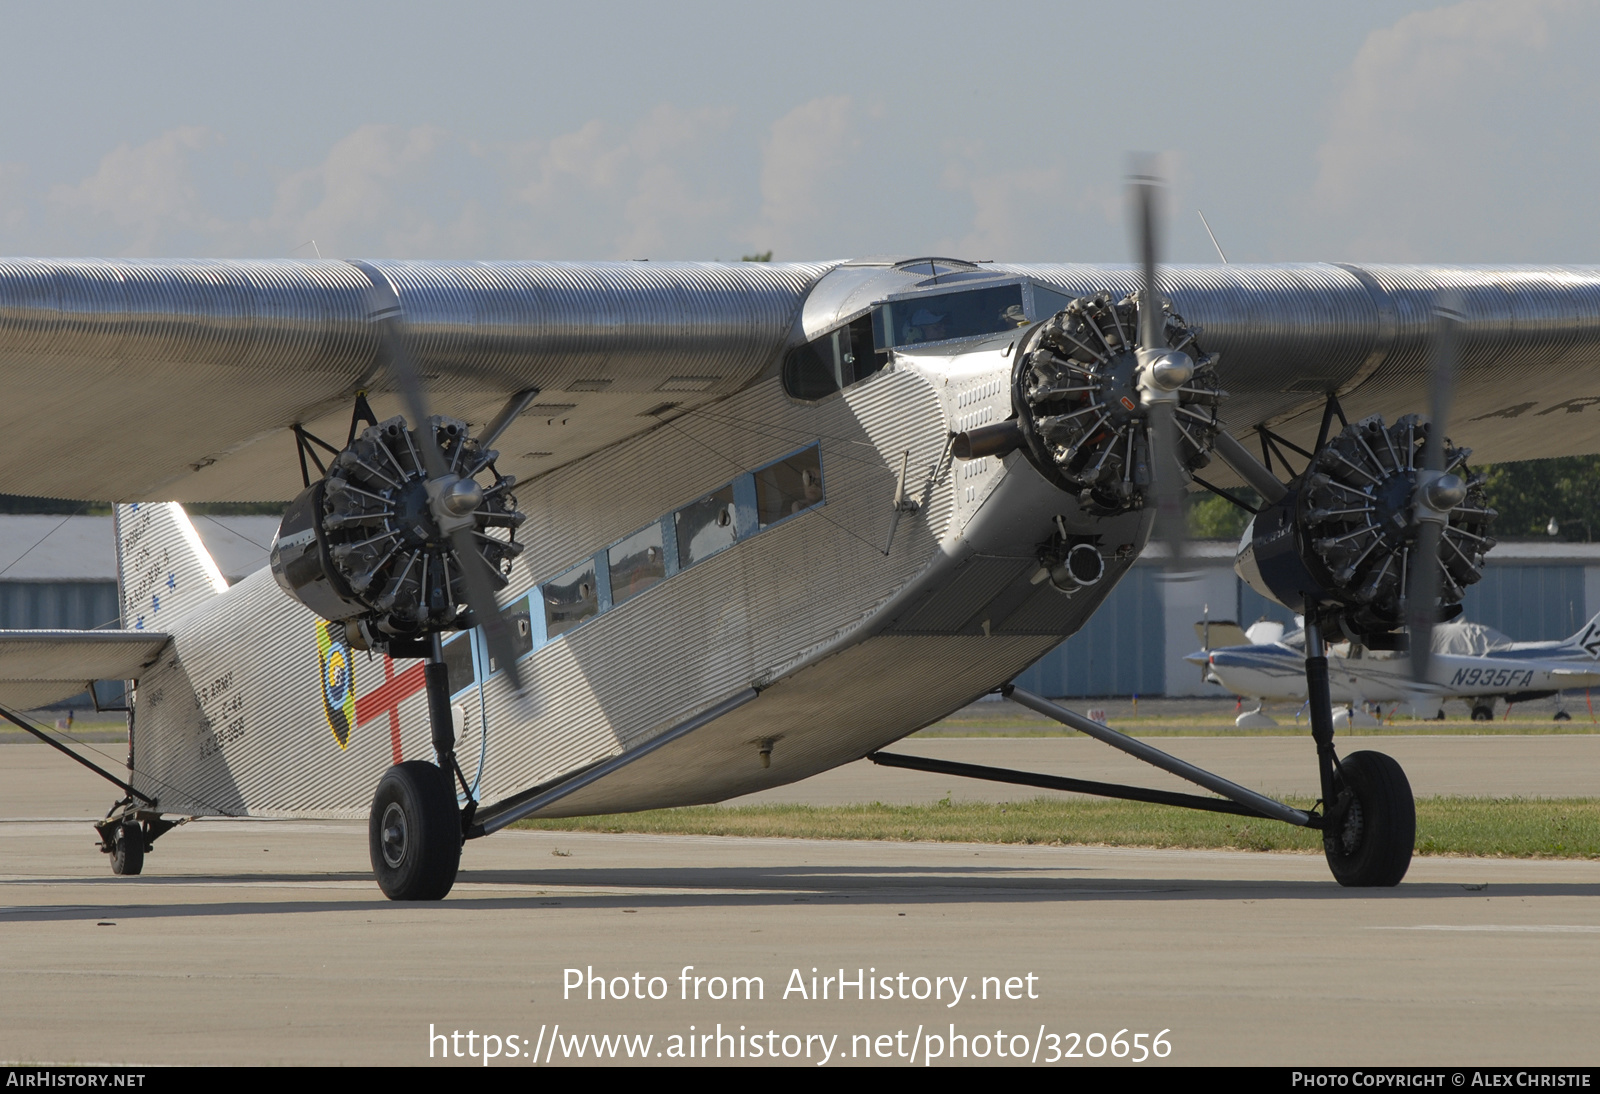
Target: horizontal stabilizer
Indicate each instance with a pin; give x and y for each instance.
(42, 667)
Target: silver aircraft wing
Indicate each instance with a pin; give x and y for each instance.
(1528, 381)
(180, 380)
(41, 667)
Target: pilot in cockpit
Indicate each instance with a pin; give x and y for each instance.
(925, 326)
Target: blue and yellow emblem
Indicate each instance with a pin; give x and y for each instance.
(338, 680)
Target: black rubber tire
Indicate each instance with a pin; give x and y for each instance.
(1373, 847)
(127, 853)
(414, 832)
(1562, 716)
(1483, 714)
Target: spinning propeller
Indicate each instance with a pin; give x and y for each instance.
(1162, 372)
(1438, 491)
(452, 499)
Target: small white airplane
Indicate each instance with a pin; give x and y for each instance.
(766, 519)
(1471, 662)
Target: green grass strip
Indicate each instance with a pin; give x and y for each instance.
(1219, 727)
(1516, 828)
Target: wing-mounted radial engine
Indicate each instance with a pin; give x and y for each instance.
(1087, 391)
(374, 544)
(1344, 543)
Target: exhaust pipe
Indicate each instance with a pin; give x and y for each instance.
(999, 439)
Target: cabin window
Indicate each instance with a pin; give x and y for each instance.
(637, 563)
(790, 486)
(706, 527)
(571, 598)
(942, 317)
(458, 663)
(833, 362)
(520, 619)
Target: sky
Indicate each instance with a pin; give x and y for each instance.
(1358, 131)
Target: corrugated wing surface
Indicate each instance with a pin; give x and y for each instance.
(169, 375)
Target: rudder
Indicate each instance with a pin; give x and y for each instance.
(163, 570)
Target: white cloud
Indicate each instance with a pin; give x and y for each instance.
(805, 176)
(1464, 121)
(361, 198)
(145, 193)
(658, 189)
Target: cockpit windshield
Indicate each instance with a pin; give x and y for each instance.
(940, 317)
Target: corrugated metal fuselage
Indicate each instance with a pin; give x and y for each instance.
(850, 647)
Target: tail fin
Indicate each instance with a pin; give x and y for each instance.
(163, 570)
(1588, 639)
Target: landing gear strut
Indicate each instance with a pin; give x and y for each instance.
(415, 830)
(1368, 823)
(1369, 819)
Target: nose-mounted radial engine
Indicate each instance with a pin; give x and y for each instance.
(1085, 387)
(373, 544)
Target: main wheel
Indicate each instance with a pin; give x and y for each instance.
(1373, 845)
(414, 832)
(127, 853)
(1483, 714)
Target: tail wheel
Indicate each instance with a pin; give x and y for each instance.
(1372, 846)
(127, 852)
(414, 832)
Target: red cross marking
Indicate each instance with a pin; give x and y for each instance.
(389, 695)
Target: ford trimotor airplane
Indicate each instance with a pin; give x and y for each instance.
(578, 538)
(1470, 661)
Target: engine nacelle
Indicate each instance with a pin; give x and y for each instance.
(1338, 546)
(361, 546)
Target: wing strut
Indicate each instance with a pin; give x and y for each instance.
(1057, 782)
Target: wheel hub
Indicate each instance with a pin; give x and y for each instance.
(394, 835)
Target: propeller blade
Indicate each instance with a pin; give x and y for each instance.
(1144, 195)
(1160, 395)
(1422, 589)
(384, 310)
(480, 598)
(1167, 483)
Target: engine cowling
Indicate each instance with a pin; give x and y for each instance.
(361, 546)
(1338, 546)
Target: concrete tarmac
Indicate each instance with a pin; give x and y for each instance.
(267, 942)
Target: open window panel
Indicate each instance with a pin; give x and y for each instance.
(843, 356)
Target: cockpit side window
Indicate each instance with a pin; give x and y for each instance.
(832, 362)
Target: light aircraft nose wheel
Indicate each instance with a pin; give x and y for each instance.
(1371, 844)
(127, 856)
(414, 832)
